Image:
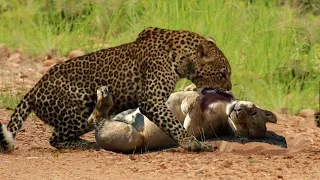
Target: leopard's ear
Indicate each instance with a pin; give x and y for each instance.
(203, 51)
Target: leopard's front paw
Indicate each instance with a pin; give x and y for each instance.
(192, 144)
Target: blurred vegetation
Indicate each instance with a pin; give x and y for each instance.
(272, 45)
(9, 101)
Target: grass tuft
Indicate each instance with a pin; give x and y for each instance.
(9, 101)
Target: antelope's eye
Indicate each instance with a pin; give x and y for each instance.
(252, 112)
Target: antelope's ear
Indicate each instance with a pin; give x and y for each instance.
(99, 97)
(210, 39)
(270, 116)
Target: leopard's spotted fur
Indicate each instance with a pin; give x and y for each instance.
(141, 73)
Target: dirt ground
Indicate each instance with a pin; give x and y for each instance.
(34, 158)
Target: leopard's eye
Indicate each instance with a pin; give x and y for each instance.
(223, 75)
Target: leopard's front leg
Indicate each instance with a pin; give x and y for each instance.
(154, 92)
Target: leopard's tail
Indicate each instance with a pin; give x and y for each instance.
(18, 117)
(6, 139)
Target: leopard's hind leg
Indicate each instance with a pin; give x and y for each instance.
(70, 123)
(70, 138)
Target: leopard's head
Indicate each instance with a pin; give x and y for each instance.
(202, 61)
(211, 68)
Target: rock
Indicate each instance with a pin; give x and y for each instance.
(49, 63)
(15, 58)
(22, 75)
(44, 70)
(295, 122)
(19, 51)
(283, 110)
(60, 59)
(307, 113)
(299, 142)
(4, 51)
(76, 53)
(227, 163)
(39, 58)
(15, 65)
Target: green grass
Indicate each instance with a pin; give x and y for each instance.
(273, 50)
(9, 101)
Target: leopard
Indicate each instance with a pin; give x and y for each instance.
(142, 73)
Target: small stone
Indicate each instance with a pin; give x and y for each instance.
(39, 58)
(163, 166)
(49, 63)
(19, 51)
(15, 58)
(55, 154)
(227, 163)
(306, 113)
(15, 65)
(32, 157)
(280, 176)
(4, 51)
(188, 165)
(76, 53)
(132, 157)
(288, 165)
(60, 59)
(279, 169)
(22, 76)
(44, 70)
(283, 110)
(296, 122)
